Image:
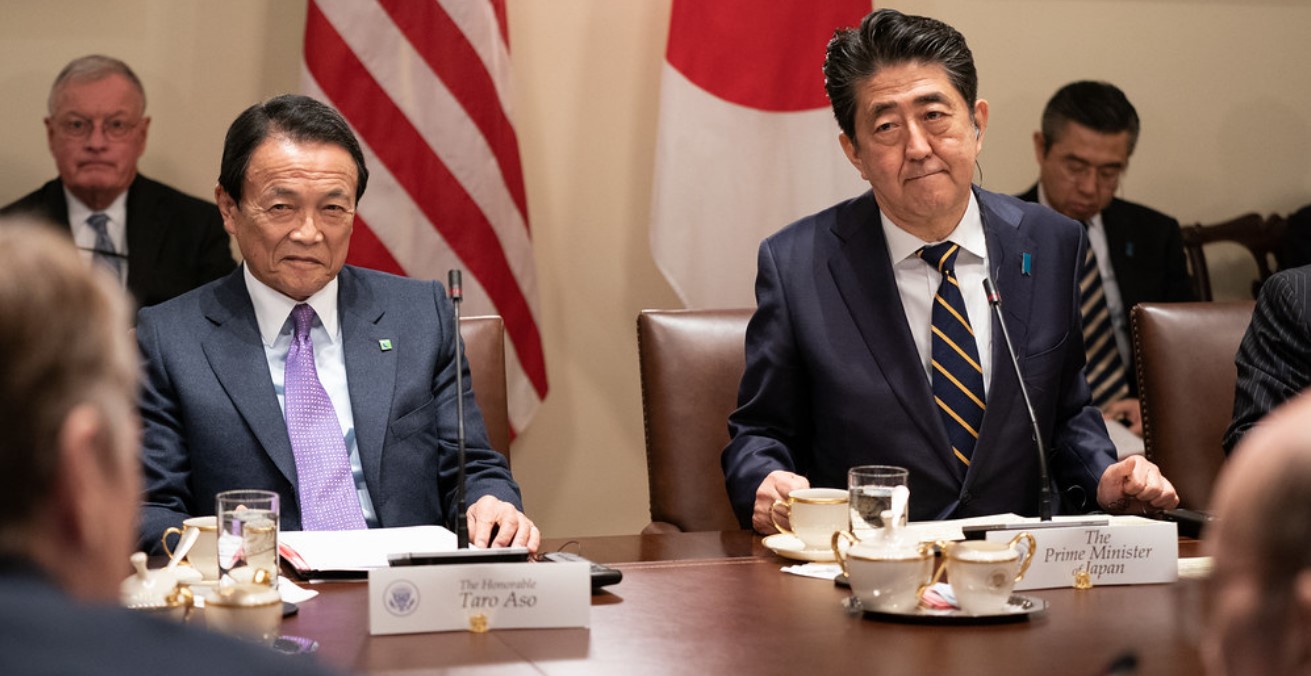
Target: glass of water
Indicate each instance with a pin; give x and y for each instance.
(247, 536)
(870, 488)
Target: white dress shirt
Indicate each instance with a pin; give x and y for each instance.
(917, 283)
(276, 329)
(85, 237)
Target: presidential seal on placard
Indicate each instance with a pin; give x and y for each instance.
(401, 598)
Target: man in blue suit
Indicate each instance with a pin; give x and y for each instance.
(331, 385)
(843, 353)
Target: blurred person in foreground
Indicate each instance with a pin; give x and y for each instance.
(71, 482)
(157, 241)
(1259, 594)
(871, 317)
(332, 385)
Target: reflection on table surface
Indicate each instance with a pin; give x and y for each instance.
(715, 602)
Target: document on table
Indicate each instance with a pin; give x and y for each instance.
(351, 553)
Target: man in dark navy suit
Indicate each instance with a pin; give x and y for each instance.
(332, 385)
(156, 240)
(865, 345)
(1089, 130)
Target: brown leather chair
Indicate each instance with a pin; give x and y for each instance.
(1186, 378)
(484, 348)
(692, 362)
(1262, 237)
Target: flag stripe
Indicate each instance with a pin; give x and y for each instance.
(425, 86)
(446, 50)
(400, 146)
(368, 251)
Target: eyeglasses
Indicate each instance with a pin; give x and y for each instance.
(1105, 174)
(114, 128)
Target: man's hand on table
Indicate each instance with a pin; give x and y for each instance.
(1135, 486)
(777, 486)
(513, 529)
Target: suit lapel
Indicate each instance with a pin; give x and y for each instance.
(370, 370)
(865, 280)
(1007, 245)
(236, 354)
(145, 232)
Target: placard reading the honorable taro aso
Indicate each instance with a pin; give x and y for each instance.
(477, 597)
(1130, 550)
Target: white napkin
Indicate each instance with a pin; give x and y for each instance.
(821, 571)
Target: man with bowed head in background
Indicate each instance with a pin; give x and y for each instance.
(1135, 254)
(872, 341)
(155, 240)
(71, 483)
(332, 385)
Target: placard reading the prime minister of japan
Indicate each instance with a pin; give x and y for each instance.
(478, 597)
(1131, 550)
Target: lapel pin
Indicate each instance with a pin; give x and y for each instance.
(384, 344)
(1026, 263)
(1128, 249)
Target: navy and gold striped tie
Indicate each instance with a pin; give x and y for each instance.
(957, 371)
(1105, 370)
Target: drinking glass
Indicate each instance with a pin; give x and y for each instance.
(870, 488)
(248, 536)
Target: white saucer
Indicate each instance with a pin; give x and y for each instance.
(791, 547)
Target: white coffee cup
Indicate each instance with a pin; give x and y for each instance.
(814, 514)
(204, 554)
(983, 574)
(886, 577)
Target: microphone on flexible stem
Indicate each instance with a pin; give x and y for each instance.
(1045, 484)
(461, 501)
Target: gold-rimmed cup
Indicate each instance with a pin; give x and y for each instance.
(814, 515)
(984, 573)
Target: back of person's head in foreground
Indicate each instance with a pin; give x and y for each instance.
(71, 481)
(1260, 590)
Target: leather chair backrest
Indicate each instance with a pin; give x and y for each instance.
(692, 363)
(484, 348)
(1186, 378)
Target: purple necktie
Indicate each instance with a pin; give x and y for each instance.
(326, 487)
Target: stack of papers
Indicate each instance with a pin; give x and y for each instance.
(351, 553)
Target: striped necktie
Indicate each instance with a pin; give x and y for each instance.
(957, 371)
(1105, 370)
(105, 253)
(325, 485)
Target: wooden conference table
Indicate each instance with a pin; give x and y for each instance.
(716, 603)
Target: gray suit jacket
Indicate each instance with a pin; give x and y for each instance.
(212, 421)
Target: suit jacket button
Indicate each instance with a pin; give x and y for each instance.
(965, 497)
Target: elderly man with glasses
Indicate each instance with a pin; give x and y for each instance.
(157, 241)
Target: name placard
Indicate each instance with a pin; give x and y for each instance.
(478, 597)
(1130, 550)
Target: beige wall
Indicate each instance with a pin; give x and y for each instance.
(1226, 117)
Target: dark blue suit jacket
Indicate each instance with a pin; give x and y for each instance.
(175, 242)
(212, 421)
(833, 378)
(44, 631)
(1147, 255)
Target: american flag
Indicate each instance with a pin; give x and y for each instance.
(425, 86)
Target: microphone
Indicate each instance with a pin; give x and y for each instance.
(1045, 484)
(461, 500)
